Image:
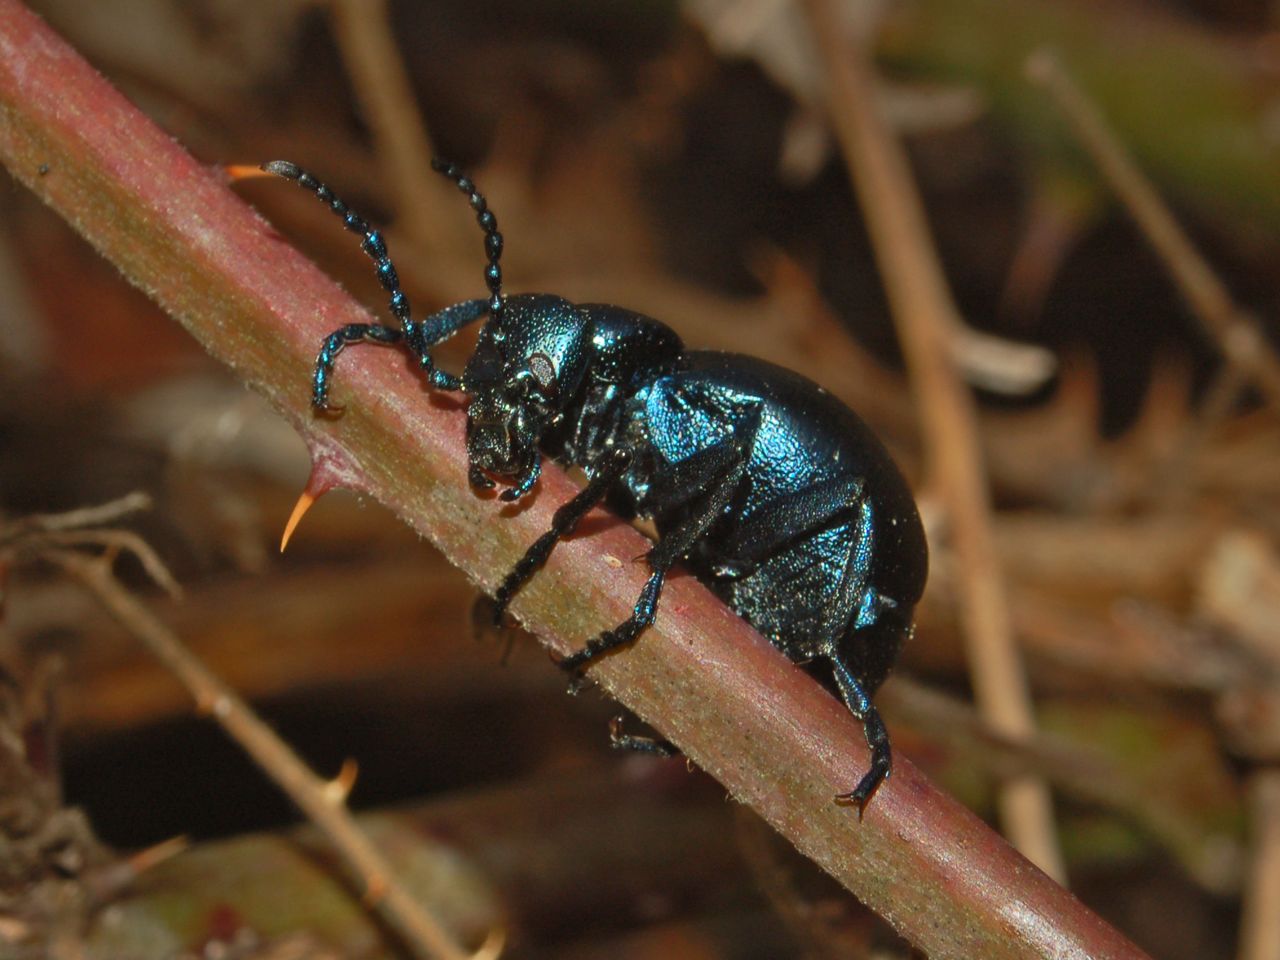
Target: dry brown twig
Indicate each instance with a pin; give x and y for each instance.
(1236, 333)
(381, 84)
(324, 802)
(55, 870)
(38, 533)
(927, 320)
(56, 537)
(1260, 925)
(93, 516)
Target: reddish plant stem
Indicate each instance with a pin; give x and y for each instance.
(701, 676)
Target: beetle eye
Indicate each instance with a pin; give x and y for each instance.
(543, 372)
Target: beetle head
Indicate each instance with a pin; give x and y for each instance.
(528, 363)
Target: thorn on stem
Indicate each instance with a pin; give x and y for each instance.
(318, 484)
(493, 945)
(338, 789)
(300, 508)
(375, 889)
(243, 171)
(144, 860)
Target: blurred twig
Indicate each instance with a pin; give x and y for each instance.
(52, 537)
(478, 850)
(324, 802)
(1146, 63)
(1260, 926)
(39, 533)
(363, 31)
(927, 322)
(84, 517)
(1236, 333)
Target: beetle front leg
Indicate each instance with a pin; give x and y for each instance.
(333, 345)
(564, 522)
(436, 329)
(419, 337)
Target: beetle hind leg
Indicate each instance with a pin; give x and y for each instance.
(859, 703)
(625, 633)
(619, 739)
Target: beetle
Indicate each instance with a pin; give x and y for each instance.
(775, 494)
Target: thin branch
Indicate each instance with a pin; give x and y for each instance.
(1260, 925)
(37, 532)
(927, 323)
(1237, 334)
(39, 523)
(116, 541)
(317, 798)
(733, 703)
(94, 516)
(362, 29)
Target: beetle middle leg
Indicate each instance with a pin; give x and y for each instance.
(709, 479)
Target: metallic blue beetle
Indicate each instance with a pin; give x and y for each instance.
(773, 492)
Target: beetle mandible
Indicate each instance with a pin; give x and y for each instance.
(775, 494)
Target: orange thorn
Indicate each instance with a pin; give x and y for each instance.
(158, 853)
(491, 949)
(241, 171)
(375, 889)
(299, 509)
(338, 789)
